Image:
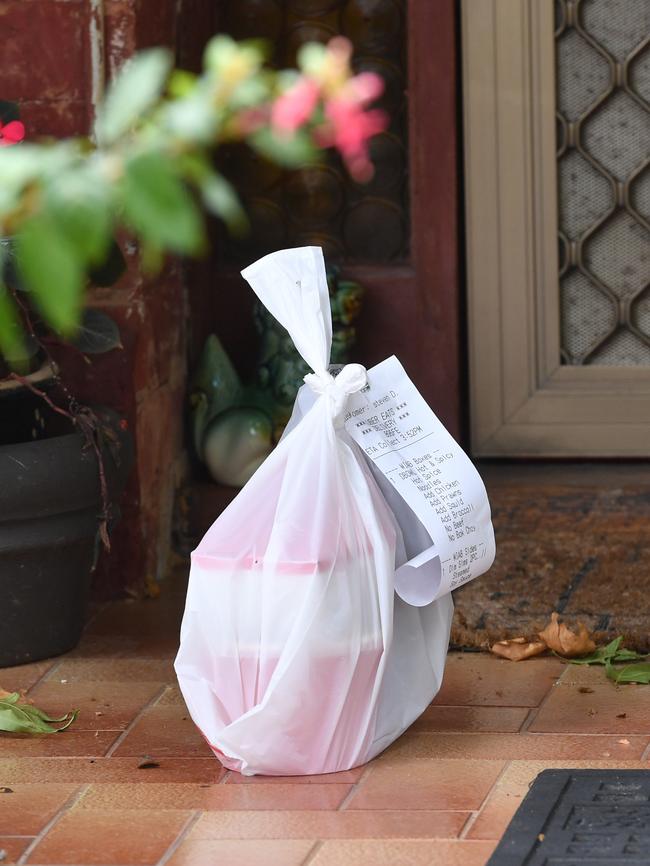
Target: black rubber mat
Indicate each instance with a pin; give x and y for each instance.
(579, 817)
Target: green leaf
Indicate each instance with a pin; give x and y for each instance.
(158, 205)
(97, 333)
(53, 269)
(220, 198)
(136, 89)
(612, 652)
(12, 343)
(637, 673)
(289, 152)
(20, 718)
(80, 201)
(600, 656)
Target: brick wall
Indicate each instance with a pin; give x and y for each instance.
(57, 55)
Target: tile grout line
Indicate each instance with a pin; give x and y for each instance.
(45, 674)
(67, 806)
(467, 826)
(535, 711)
(183, 834)
(313, 852)
(353, 790)
(150, 703)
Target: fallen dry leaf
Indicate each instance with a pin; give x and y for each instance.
(518, 648)
(558, 637)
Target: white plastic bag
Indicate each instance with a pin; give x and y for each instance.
(296, 655)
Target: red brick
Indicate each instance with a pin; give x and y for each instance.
(45, 50)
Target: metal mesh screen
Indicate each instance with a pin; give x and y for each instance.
(603, 137)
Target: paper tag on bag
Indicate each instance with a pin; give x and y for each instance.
(400, 434)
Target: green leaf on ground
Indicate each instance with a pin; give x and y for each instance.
(636, 673)
(612, 653)
(20, 718)
(135, 90)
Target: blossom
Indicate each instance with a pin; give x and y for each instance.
(11, 133)
(295, 106)
(350, 125)
(331, 68)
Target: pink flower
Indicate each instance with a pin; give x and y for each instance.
(295, 107)
(11, 133)
(350, 125)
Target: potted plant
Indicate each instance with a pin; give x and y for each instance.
(62, 467)
(149, 170)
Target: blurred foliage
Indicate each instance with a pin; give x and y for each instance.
(151, 168)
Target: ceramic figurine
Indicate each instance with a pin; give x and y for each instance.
(234, 427)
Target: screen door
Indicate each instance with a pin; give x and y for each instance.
(557, 165)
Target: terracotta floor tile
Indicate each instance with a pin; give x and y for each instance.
(29, 807)
(585, 702)
(506, 796)
(526, 746)
(407, 853)
(24, 676)
(171, 697)
(330, 825)
(77, 743)
(479, 679)
(214, 797)
(102, 705)
(241, 852)
(426, 784)
(436, 718)
(164, 730)
(86, 837)
(11, 848)
(113, 670)
(197, 770)
(344, 777)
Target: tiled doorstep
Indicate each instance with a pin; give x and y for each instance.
(349, 852)
(14, 847)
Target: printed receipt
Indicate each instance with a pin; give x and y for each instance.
(399, 432)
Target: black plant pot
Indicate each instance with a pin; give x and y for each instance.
(49, 505)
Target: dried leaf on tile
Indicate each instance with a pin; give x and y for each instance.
(518, 648)
(148, 763)
(562, 640)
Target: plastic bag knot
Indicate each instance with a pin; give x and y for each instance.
(337, 389)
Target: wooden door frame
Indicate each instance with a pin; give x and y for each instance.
(412, 308)
(523, 401)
